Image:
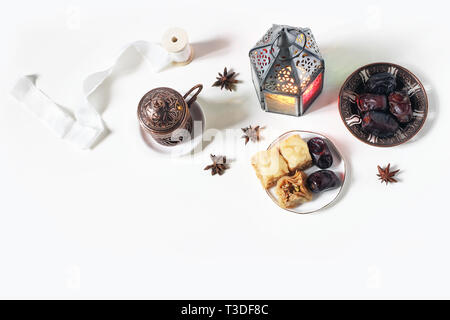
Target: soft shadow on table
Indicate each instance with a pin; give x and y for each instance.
(223, 113)
(34, 78)
(433, 103)
(340, 61)
(102, 136)
(205, 48)
(128, 63)
(100, 98)
(208, 47)
(343, 59)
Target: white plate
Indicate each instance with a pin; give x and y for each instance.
(322, 199)
(184, 147)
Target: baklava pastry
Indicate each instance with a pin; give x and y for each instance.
(269, 166)
(292, 191)
(295, 150)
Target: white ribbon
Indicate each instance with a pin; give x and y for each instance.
(86, 125)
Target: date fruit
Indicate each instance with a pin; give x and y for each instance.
(400, 106)
(320, 153)
(380, 124)
(381, 83)
(369, 101)
(322, 180)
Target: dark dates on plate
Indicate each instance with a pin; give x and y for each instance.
(322, 180)
(369, 101)
(400, 106)
(320, 153)
(380, 124)
(381, 83)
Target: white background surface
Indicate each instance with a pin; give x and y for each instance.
(122, 222)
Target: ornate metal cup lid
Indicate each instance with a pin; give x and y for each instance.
(161, 110)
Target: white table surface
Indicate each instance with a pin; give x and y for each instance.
(120, 221)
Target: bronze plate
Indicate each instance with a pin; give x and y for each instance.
(405, 79)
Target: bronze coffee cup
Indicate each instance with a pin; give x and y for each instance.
(164, 114)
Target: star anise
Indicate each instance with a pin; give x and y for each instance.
(251, 134)
(219, 165)
(385, 175)
(226, 80)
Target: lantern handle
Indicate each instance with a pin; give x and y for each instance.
(294, 43)
(194, 97)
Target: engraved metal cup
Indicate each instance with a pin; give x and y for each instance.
(164, 114)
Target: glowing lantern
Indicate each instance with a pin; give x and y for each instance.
(287, 70)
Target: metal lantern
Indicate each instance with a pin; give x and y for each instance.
(287, 70)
